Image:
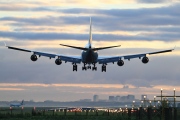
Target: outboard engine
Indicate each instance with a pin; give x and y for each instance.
(34, 57)
(145, 60)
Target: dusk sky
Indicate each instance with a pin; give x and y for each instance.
(139, 26)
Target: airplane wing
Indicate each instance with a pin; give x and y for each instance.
(111, 59)
(73, 59)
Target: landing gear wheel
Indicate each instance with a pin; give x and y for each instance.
(84, 68)
(74, 67)
(89, 67)
(94, 68)
(103, 68)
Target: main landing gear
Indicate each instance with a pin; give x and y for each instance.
(94, 68)
(103, 68)
(75, 67)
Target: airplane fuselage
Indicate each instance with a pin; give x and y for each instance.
(89, 56)
(15, 105)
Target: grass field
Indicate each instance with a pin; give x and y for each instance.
(46, 113)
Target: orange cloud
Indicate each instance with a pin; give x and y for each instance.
(11, 89)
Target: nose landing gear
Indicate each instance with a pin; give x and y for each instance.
(84, 67)
(94, 68)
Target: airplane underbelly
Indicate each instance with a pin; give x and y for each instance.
(89, 57)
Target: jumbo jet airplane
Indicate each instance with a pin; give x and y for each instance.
(17, 104)
(89, 56)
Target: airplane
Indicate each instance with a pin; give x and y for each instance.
(89, 55)
(17, 104)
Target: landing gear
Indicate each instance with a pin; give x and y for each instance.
(84, 67)
(94, 68)
(74, 67)
(103, 68)
(89, 67)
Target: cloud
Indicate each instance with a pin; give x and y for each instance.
(145, 28)
(10, 89)
(155, 24)
(46, 6)
(154, 1)
(29, 91)
(97, 37)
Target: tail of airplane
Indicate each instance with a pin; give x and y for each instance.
(90, 42)
(22, 102)
(90, 33)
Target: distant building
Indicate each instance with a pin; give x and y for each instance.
(117, 98)
(85, 100)
(123, 98)
(131, 97)
(111, 98)
(96, 98)
(142, 97)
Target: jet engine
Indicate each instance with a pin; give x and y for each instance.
(145, 60)
(58, 61)
(120, 63)
(34, 57)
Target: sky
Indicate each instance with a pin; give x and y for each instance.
(139, 26)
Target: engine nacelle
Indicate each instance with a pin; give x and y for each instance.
(58, 61)
(120, 63)
(34, 57)
(145, 60)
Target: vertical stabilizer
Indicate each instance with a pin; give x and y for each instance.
(22, 102)
(90, 33)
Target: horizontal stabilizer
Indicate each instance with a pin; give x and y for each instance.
(102, 48)
(80, 48)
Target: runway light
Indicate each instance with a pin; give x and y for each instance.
(174, 89)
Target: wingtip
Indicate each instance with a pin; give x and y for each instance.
(174, 47)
